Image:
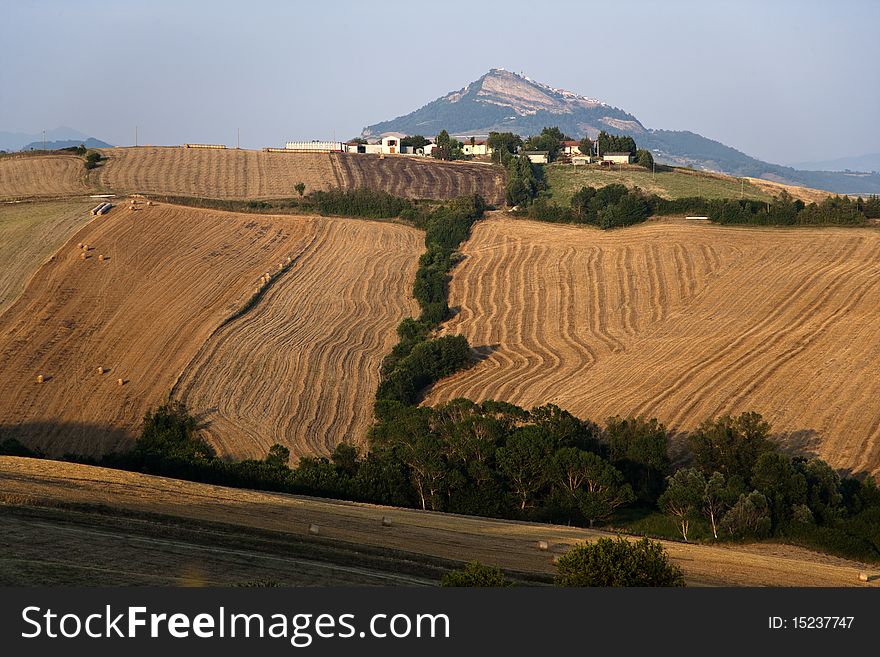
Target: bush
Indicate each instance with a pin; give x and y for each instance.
(618, 562)
(476, 574)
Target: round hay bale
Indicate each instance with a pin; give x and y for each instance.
(85, 247)
(120, 382)
(83, 256)
(100, 370)
(863, 577)
(542, 545)
(80, 245)
(101, 257)
(386, 521)
(40, 378)
(314, 530)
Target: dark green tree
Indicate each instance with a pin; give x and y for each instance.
(278, 455)
(504, 145)
(617, 562)
(300, 188)
(644, 158)
(730, 445)
(683, 497)
(639, 448)
(748, 518)
(585, 146)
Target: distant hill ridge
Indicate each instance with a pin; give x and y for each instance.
(504, 101)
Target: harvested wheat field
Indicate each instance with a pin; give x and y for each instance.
(29, 234)
(214, 173)
(509, 544)
(420, 178)
(679, 321)
(34, 176)
(301, 367)
(149, 290)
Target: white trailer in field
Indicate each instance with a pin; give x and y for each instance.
(315, 146)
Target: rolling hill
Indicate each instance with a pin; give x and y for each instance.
(681, 321)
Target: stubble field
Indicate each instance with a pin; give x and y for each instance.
(36, 176)
(679, 321)
(301, 368)
(29, 234)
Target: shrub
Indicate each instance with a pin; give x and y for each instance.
(476, 574)
(618, 562)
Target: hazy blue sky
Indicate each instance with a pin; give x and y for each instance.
(783, 81)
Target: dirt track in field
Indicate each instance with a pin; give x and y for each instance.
(29, 234)
(301, 367)
(420, 178)
(35, 176)
(170, 277)
(679, 321)
(511, 545)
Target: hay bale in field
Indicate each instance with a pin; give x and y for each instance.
(863, 577)
(314, 530)
(386, 521)
(100, 370)
(80, 245)
(83, 256)
(543, 545)
(120, 382)
(40, 378)
(101, 257)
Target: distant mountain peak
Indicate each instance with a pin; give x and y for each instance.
(504, 101)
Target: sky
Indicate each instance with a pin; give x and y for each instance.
(784, 81)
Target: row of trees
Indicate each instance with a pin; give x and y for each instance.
(788, 211)
(615, 205)
(418, 359)
(740, 485)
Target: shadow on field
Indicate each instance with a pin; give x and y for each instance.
(482, 352)
(55, 439)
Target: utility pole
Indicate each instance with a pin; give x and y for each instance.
(44, 140)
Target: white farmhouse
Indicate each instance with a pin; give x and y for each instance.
(618, 158)
(537, 157)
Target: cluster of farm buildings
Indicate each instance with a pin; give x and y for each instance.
(472, 146)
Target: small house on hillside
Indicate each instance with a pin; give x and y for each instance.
(479, 147)
(390, 145)
(537, 157)
(618, 158)
(571, 148)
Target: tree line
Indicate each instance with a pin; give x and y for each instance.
(615, 205)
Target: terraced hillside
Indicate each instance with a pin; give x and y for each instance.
(29, 234)
(301, 367)
(679, 321)
(421, 178)
(169, 276)
(41, 176)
